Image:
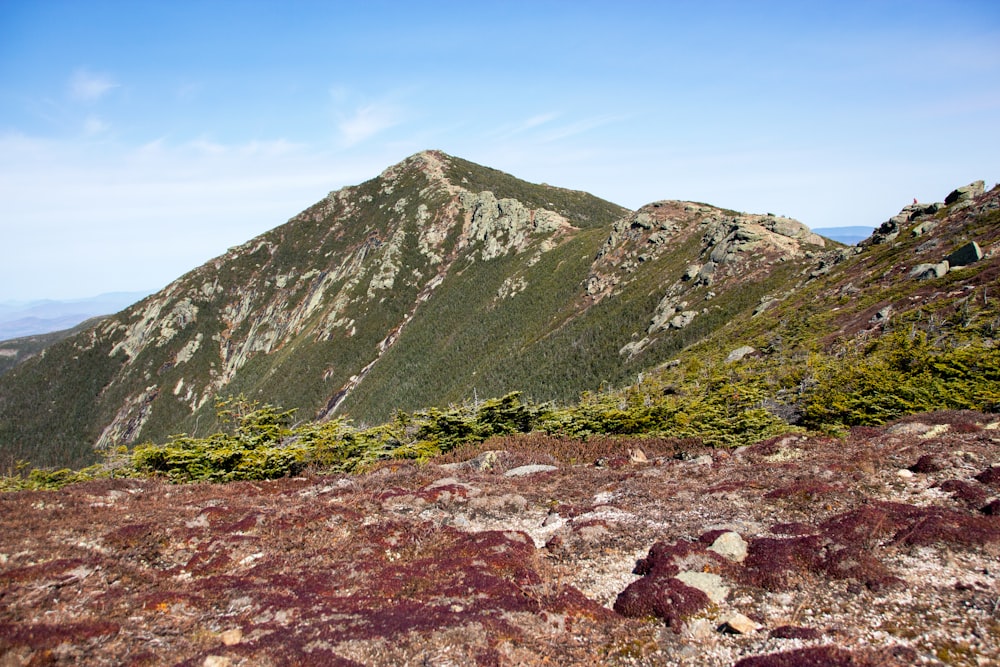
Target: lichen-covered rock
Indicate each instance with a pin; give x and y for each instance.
(965, 193)
(928, 271)
(682, 319)
(739, 353)
(730, 545)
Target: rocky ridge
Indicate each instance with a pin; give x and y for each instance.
(370, 301)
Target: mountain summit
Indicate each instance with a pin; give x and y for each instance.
(438, 281)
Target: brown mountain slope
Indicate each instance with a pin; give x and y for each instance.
(437, 281)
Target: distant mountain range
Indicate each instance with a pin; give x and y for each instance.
(440, 281)
(18, 319)
(846, 235)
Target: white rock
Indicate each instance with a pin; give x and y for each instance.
(739, 353)
(730, 545)
(636, 455)
(232, 637)
(523, 471)
(708, 583)
(739, 624)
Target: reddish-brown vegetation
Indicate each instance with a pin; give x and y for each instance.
(849, 561)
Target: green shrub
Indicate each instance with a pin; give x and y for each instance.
(903, 373)
(256, 448)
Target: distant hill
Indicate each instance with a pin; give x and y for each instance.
(846, 235)
(19, 319)
(441, 281)
(16, 350)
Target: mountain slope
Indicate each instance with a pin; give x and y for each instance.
(437, 281)
(17, 350)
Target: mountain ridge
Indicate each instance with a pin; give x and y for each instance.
(435, 281)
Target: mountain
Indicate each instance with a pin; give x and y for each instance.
(19, 319)
(17, 350)
(441, 281)
(846, 235)
(436, 282)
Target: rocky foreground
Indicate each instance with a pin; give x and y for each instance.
(880, 548)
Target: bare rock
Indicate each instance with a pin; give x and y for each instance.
(636, 455)
(730, 545)
(967, 254)
(882, 315)
(683, 319)
(232, 637)
(707, 582)
(928, 271)
(484, 461)
(908, 428)
(965, 193)
(523, 471)
(738, 624)
(739, 353)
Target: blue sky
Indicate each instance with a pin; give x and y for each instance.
(140, 139)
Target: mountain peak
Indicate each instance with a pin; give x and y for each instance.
(432, 163)
(435, 281)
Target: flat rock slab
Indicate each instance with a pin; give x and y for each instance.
(708, 583)
(523, 471)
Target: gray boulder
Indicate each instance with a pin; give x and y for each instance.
(965, 193)
(924, 227)
(739, 353)
(927, 271)
(683, 319)
(970, 253)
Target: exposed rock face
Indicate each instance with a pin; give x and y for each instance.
(969, 253)
(505, 225)
(965, 193)
(734, 251)
(927, 271)
(682, 319)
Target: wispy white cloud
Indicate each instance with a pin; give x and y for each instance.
(508, 131)
(87, 86)
(366, 121)
(581, 126)
(535, 121)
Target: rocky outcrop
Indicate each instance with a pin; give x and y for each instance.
(501, 226)
(928, 271)
(965, 193)
(970, 253)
